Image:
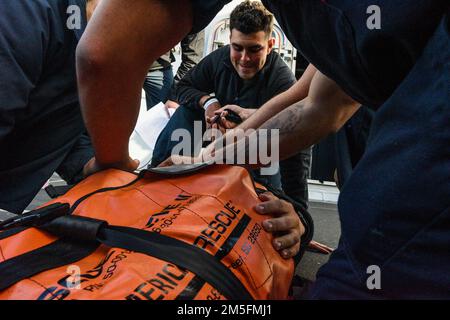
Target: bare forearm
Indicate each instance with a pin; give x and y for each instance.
(109, 117)
(326, 109)
(118, 47)
(303, 124)
(296, 93)
(279, 134)
(300, 126)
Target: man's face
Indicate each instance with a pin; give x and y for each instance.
(249, 52)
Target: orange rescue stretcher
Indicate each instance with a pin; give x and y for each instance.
(163, 234)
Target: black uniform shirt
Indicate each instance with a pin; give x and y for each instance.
(338, 37)
(40, 118)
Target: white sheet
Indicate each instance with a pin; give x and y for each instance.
(148, 128)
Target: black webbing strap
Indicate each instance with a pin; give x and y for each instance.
(57, 254)
(186, 256)
(64, 252)
(57, 191)
(19, 223)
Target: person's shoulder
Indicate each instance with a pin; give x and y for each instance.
(279, 70)
(220, 54)
(276, 61)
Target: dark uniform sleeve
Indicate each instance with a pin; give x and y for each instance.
(204, 12)
(23, 39)
(198, 82)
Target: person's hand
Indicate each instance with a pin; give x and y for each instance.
(178, 160)
(243, 113)
(170, 104)
(285, 225)
(223, 123)
(93, 166)
(210, 115)
(211, 121)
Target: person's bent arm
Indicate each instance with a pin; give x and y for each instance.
(297, 92)
(119, 45)
(324, 111)
(197, 85)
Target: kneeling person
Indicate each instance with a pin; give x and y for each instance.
(243, 76)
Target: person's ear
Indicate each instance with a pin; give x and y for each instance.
(270, 45)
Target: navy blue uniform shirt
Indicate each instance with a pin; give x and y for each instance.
(395, 207)
(368, 64)
(41, 126)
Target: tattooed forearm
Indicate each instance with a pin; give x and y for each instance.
(273, 139)
(287, 120)
(323, 111)
(296, 128)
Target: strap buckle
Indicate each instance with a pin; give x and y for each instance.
(37, 217)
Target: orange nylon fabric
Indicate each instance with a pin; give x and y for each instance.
(201, 209)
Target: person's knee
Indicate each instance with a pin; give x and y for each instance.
(183, 133)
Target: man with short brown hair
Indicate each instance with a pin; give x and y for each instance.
(240, 77)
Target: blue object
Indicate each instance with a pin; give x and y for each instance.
(40, 119)
(395, 207)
